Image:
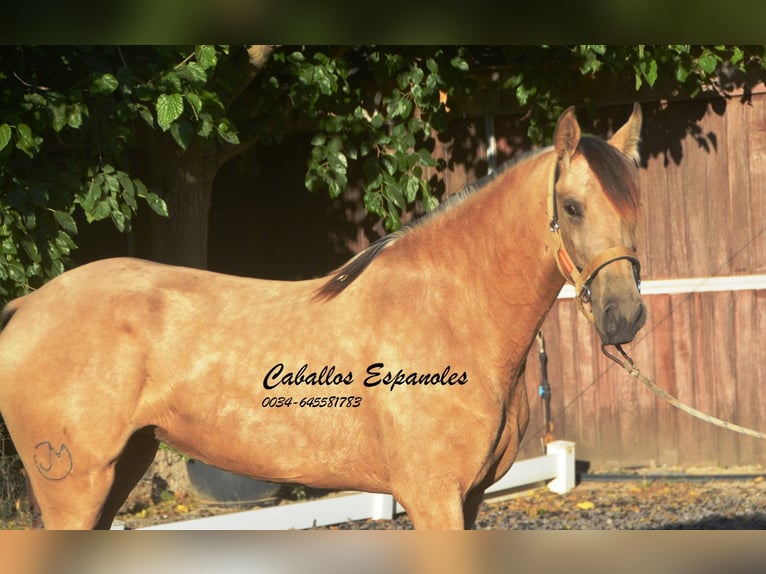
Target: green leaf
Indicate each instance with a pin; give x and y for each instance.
(430, 203)
(206, 56)
(74, 117)
(119, 220)
(64, 242)
(126, 183)
(389, 164)
(373, 202)
(59, 115)
(31, 249)
(104, 84)
(411, 189)
(146, 114)
(651, 73)
(16, 272)
(157, 204)
(57, 267)
(195, 73)
(169, 108)
(65, 221)
(206, 125)
(227, 132)
(8, 246)
(394, 194)
(737, 56)
(708, 62)
(128, 190)
(182, 132)
(25, 141)
(377, 120)
(195, 103)
(334, 188)
(112, 183)
(95, 190)
(5, 135)
(426, 158)
(141, 190)
(100, 211)
(459, 63)
(311, 181)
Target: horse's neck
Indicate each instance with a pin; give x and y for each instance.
(495, 246)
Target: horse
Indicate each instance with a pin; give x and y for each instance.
(399, 372)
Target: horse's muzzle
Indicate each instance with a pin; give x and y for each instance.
(620, 321)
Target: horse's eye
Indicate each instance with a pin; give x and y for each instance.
(573, 209)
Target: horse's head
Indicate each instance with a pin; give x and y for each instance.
(594, 208)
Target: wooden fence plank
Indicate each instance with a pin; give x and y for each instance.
(737, 192)
(756, 134)
(662, 329)
(725, 384)
(747, 355)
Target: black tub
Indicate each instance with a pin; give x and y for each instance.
(213, 483)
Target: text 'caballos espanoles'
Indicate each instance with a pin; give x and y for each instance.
(376, 375)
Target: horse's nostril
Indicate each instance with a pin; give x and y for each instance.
(611, 323)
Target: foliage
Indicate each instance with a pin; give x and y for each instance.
(69, 117)
(543, 80)
(377, 107)
(12, 484)
(64, 117)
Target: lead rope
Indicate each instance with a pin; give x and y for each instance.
(629, 366)
(544, 391)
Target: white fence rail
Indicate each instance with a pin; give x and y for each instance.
(691, 285)
(557, 467)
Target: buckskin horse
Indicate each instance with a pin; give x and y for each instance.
(398, 373)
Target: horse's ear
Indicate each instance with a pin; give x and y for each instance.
(567, 136)
(627, 137)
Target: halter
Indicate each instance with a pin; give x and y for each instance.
(582, 277)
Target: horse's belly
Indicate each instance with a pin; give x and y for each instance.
(321, 448)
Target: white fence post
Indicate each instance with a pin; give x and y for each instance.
(383, 507)
(564, 451)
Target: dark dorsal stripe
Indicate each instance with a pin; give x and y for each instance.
(343, 277)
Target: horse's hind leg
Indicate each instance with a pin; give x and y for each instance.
(83, 492)
(75, 501)
(131, 466)
(434, 509)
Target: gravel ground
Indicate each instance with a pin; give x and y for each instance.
(640, 504)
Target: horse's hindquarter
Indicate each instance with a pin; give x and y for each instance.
(120, 345)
